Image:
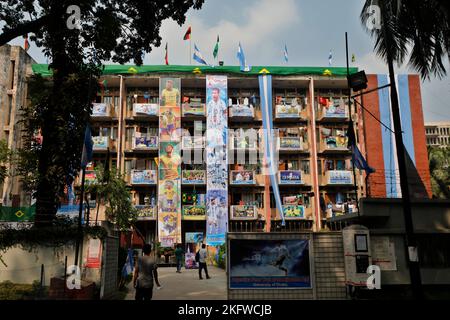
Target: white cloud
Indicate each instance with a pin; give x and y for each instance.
(257, 32)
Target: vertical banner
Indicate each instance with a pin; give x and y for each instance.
(217, 160)
(193, 244)
(271, 161)
(169, 165)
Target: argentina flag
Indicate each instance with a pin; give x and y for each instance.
(198, 56)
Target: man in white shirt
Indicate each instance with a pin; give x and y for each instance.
(203, 254)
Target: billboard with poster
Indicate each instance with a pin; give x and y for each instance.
(269, 264)
(193, 242)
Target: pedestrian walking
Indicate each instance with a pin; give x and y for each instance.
(203, 253)
(144, 275)
(179, 257)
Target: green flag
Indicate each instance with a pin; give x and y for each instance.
(216, 48)
(353, 58)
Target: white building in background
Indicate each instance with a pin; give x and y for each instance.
(438, 133)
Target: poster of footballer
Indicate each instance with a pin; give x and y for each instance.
(269, 264)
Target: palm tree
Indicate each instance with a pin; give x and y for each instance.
(440, 171)
(419, 29)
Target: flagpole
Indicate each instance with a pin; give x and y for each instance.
(190, 49)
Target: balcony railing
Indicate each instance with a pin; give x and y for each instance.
(193, 177)
(193, 108)
(334, 112)
(334, 144)
(192, 143)
(145, 110)
(144, 142)
(241, 111)
(102, 111)
(290, 143)
(337, 178)
(143, 177)
(290, 177)
(292, 111)
(146, 212)
(103, 144)
(194, 212)
(242, 178)
(243, 212)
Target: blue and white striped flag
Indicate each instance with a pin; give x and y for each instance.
(286, 55)
(265, 91)
(198, 56)
(330, 58)
(242, 60)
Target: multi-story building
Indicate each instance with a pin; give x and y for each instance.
(438, 133)
(310, 114)
(15, 67)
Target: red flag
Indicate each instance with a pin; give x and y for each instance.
(187, 35)
(167, 56)
(323, 101)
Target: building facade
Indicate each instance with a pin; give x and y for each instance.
(438, 133)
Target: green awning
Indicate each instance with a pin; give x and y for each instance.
(43, 70)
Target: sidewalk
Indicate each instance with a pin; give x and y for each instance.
(187, 286)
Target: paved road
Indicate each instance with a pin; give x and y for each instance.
(187, 286)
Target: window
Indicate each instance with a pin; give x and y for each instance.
(305, 166)
(434, 250)
(11, 74)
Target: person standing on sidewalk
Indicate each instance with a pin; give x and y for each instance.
(179, 257)
(203, 253)
(144, 275)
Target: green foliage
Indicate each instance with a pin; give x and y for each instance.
(222, 258)
(439, 160)
(5, 156)
(14, 291)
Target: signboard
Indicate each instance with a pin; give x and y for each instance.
(244, 213)
(194, 237)
(144, 142)
(241, 110)
(294, 212)
(290, 177)
(194, 212)
(288, 111)
(334, 142)
(192, 143)
(145, 213)
(334, 109)
(169, 165)
(242, 177)
(143, 177)
(100, 143)
(99, 110)
(383, 253)
(90, 177)
(193, 107)
(145, 109)
(290, 143)
(339, 177)
(269, 264)
(217, 159)
(193, 177)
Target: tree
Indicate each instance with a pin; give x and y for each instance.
(4, 160)
(106, 30)
(416, 28)
(440, 171)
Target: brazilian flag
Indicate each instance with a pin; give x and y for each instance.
(17, 214)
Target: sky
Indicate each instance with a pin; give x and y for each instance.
(309, 28)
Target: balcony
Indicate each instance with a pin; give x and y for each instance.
(103, 144)
(146, 212)
(242, 178)
(193, 177)
(143, 178)
(292, 111)
(241, 112)
(103, 111)
(337, 178)
(192, 143)
(293, 178)
(334, 144)
(243, 212)
(145, 110)
(194, 212)
(193, 108)
(143, 143)
(333, 112)
(290, 144)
